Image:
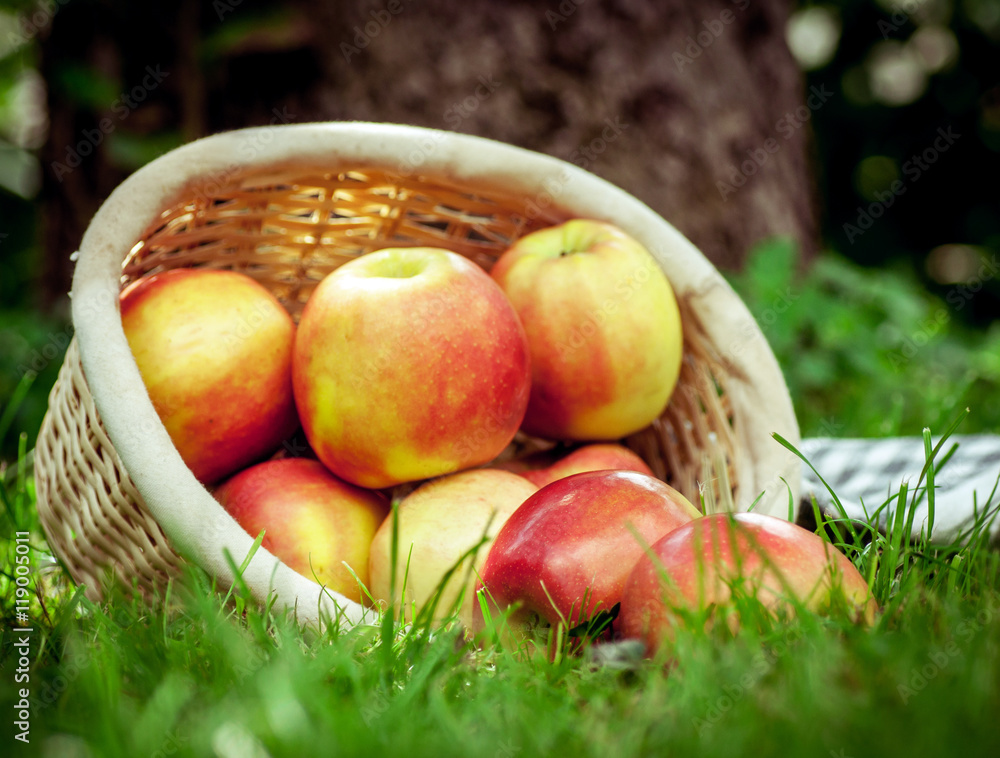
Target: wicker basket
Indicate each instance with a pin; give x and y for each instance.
(287, 205)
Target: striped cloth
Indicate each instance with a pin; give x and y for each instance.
(865, 473)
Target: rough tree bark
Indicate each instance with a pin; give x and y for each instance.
(690, 106)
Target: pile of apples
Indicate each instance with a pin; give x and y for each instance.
(412, 369)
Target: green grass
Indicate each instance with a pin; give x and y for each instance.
(206, 677)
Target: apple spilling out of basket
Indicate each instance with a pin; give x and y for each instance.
(414, 365)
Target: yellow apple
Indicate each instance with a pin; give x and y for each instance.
(603, 328)
(409, 363)
(215, 352)
(440, 522)
(313, 521)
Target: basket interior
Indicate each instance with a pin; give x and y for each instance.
(289, 229)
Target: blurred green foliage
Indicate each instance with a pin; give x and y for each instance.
(31, 351)
(871, 355)
(901, 71)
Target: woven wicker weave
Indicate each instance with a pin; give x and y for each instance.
(301, 203)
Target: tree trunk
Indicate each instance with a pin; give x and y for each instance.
(697, 109)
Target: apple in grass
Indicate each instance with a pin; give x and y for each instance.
(696, 568)
(565, 553)
(409, 363)
(215, 352)
(547, 466)
(603, 327)
(439, 523)
(312, 521)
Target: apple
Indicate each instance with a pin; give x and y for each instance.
(603, 328)
(697, 566)
(312, 521)
(215, 352)
(595, 457)
(575, 539)
(439, 523)
(409, 363)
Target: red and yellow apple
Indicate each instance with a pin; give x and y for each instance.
(439, 524)
(604, 456)
(565, 553)
(312, 521)
(603, 327)
(409, 363)
(215, 352)
(696, 568)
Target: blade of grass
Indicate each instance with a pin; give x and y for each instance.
(929, 456)
(836, 500)
(14, 405)
(238, 571)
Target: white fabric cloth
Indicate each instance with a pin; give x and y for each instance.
(866, 473)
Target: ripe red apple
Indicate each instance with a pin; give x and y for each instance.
(698, 565)
(409, 363)
(438, 524)
(603, 328)
(215, 352)
(597, 457)
(313, 521)
(576, 537)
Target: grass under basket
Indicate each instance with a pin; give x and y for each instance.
(231, 679)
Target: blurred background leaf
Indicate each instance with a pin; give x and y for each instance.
(868, 355)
